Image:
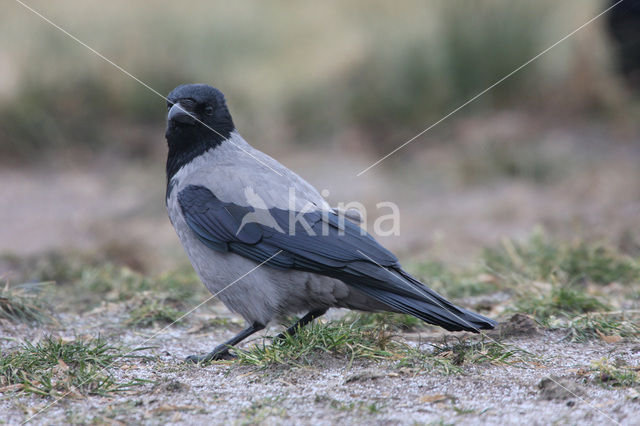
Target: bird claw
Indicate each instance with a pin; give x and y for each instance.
(213, 356)
(196, 359)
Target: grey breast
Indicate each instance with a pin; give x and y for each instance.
(228, 171)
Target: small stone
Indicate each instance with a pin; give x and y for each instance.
(518, 325)
(558, 389)
(361, 376)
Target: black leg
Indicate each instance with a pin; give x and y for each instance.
(222, 351)
(291, 331)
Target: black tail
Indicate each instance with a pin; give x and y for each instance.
(428, 305)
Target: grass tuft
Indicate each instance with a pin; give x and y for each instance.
(607, 326)
(388, 320)
(23, 303)
(118, 283)
(474, 351)
(559, 302)
(54, 367)
(338, 338)
(453, 284)
(615, 375)
(541, 259)
(95, 281)
(346, 339)
(372, 341)
(153, 312)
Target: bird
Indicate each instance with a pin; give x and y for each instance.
(301, 258)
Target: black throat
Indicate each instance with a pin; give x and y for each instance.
(188, 142)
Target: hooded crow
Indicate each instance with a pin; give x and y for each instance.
(266, 242)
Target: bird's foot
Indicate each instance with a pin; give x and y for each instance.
(281, 337)
(212, 356)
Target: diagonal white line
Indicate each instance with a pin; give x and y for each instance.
(101, 56)
(363, 171)
(490, 87)
(495, 341)
(153, 336)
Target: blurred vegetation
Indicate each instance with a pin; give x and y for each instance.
(612, 374)
(153, 312)
(482, 350)
(310, 73)
(94, 281)
(453, 283)
(560, 301)
(611, 326)
(24, 303)
(542, 259)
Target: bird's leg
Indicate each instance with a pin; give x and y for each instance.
(291, 331)
(222, 351)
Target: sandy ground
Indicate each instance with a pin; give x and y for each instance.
(332, 390)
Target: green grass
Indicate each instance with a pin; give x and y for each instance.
(542, 259)
(349, 340)
(352, 340)
(388, 320)
(562, 285)
(346, 339)
(614, 375)
(480, 351)
(95, 280)
(610, 326)
(452, 283)
(559, 302)
(54, 368)
(24, 303)
(559, 283)
(119, 283)
(153, 312)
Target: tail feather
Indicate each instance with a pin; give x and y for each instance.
(429, 306)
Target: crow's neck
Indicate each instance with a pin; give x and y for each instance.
(186, 144)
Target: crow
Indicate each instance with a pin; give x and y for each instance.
(294, 254)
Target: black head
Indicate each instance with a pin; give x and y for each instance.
(198, 119)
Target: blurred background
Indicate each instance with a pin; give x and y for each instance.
(327, 88)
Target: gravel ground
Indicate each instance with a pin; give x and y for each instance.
(548, 388)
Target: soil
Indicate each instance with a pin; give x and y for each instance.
(548, 389)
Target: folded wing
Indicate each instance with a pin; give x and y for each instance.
(321, 242)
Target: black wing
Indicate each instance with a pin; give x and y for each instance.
(319, 242)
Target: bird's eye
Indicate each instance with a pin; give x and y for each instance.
(169, 106)
(208, 110)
